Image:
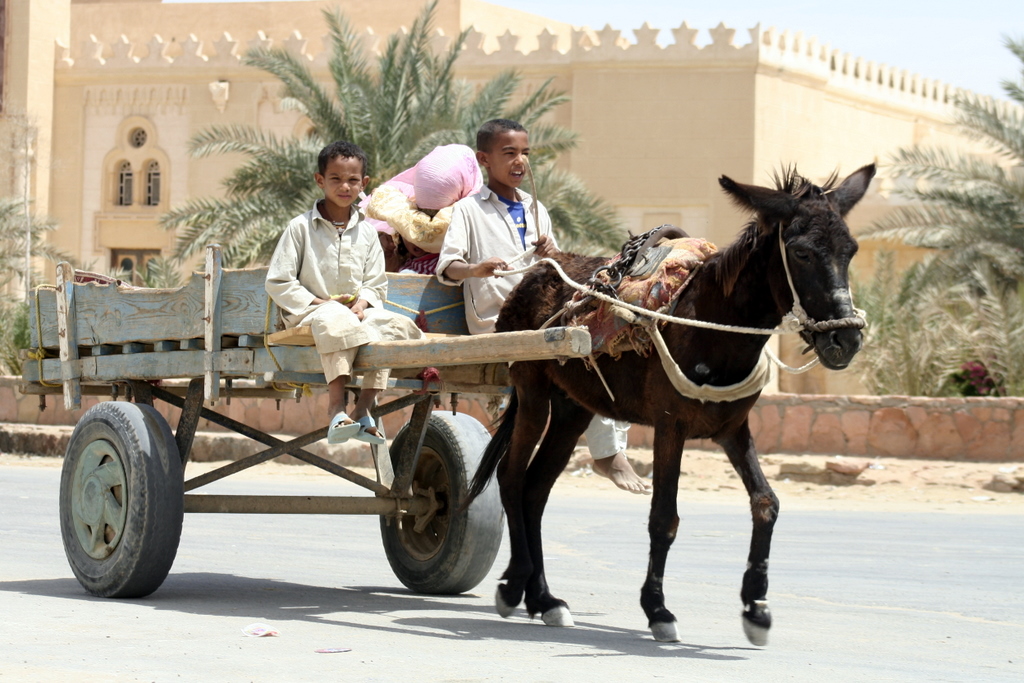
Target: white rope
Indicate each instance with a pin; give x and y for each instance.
(789, 368)
(785, 328)
(523, 255)
(792, 322)
(750, 385)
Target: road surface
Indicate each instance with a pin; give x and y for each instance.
(856, 596)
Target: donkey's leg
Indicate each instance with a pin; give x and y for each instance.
(662, 526)
(569, 420)
(764, 508)
(530, 421)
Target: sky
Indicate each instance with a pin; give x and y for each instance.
(959, 42)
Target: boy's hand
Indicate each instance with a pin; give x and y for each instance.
(545, 247)
(487, 268)
(460, 270)
(359, 306)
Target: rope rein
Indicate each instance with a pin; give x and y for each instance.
(794, 322)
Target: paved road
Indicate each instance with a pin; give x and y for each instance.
(856, 597)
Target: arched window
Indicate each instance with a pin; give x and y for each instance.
(153, 184)
(125, 183)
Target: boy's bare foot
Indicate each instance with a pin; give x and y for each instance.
(622, 474)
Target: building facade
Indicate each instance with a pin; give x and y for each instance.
(116, 89)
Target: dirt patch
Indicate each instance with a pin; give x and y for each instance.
(819, 481)
(801, 482)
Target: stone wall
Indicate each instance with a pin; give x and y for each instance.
(982, 429)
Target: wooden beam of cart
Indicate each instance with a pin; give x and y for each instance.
(554, 342)
(440, 352)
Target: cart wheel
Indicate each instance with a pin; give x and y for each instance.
(121, 500)
(454, 552)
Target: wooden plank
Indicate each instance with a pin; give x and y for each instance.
(567, 342)
(147, 366)
(489, 378)
(102, 350)
(492, 374)
(118, 315)
(190, 344)
(166, 345)
(453, 356)
(426, 293)
(446, 351)
(300, 359)
(45, 325)
(293, 336)
(107, 314)
(67, 331)
(212, 322)
(303, 336)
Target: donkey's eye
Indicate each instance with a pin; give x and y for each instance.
(801, 254)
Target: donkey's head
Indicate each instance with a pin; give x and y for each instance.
(807, 221)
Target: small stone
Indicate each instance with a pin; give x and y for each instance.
(1001, 483)
(800, 468)
(846, 467)
(802, 471)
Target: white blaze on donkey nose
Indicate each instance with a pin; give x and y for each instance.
(842, 296)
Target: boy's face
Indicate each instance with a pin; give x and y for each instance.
(342, 181)
(506, 162)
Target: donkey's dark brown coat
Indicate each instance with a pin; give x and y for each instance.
(742, 285)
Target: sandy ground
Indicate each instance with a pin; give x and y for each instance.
(884, 484)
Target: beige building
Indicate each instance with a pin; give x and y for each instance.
(116, 89)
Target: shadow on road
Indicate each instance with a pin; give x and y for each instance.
(445, 617)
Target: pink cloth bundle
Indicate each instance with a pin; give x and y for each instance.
(441, 178)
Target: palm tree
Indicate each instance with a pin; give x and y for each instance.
(397, 111)
(967, 209)
(924, 335)
(959, 311)
(13, 309)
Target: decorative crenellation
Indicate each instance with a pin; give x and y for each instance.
(767, 49)
(136, 99)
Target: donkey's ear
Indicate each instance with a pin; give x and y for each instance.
(762, 200)
(853, 188)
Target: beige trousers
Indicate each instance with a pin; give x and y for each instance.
(339, 333)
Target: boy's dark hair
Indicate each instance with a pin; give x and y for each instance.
(485, 136)
(341, 148)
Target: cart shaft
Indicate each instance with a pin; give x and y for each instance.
(306, 505)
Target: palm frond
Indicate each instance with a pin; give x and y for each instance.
(397, 105)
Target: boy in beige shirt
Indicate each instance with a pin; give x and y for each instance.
(491, 229)
(327, 272)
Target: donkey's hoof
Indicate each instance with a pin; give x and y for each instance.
(558, 616)
(757, 619)
(665, 631)
(757, 635)
(505, 610)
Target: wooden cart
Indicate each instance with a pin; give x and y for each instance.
(123, 491)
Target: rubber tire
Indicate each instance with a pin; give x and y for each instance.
(153, 502)
(472, 539)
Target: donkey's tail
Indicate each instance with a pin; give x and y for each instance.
(495, 451)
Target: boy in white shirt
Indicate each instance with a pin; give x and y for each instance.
(327, 272)
(492, 228)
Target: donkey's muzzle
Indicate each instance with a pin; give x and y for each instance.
(836, 348)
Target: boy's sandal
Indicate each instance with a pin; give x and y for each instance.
(366, 423)
(342, 428)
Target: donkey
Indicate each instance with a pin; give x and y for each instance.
(794, 252)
